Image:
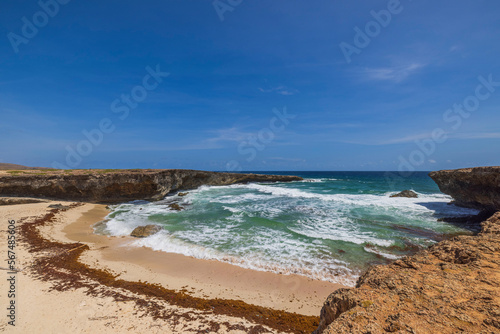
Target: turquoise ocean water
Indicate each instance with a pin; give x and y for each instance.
(331, 226)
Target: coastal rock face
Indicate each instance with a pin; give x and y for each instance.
(406, 193)
(471, 187)
(145, 231)
(454, 286)
(120, 186)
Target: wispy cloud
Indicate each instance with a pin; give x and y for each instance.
(397, 140)
(282, 159)
(395, 73)
(477, 135)
(232, 134)
(282, 90)
(339, 125)
(426, 135)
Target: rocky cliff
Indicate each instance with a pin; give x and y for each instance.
(471, 187)
(114, 186)
(451, 287)
(454, 286)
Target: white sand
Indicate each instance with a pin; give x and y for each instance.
(41, 311)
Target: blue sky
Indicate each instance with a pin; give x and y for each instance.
(229, 79)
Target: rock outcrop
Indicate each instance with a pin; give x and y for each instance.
(406, 193)
(104, 186)
(454, 286)
(145, 231)
(471, 187)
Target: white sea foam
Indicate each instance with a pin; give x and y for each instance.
(433, 201)
(378, 252)
(335, 271)
(342, 235)
(312, 180)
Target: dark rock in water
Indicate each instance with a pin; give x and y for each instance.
(182, 194)
(175, 206)
(59, 206)
(145, 231)
(406, 193)
(472, 222)
(118, 186)
(477, 188)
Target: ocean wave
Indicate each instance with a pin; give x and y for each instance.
(345, 236)
(378, 252)
(332, 272)
(312, 180)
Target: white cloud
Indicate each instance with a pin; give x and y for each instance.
(395, 73)
(228, 134)
(282, 90)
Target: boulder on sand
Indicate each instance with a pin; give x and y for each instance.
(145, 231)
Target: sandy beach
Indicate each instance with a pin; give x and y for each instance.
(43, 309)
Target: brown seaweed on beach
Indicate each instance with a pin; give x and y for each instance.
(59, 264)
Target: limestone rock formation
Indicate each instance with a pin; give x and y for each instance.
(145, 231)
(477, 187)
(454, 286)
(176, 207)
(100, 186)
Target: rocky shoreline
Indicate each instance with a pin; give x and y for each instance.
(453, 286)
(117, 186)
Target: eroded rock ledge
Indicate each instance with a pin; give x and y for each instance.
(104, 186)
(453, 286)
(477, 187)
